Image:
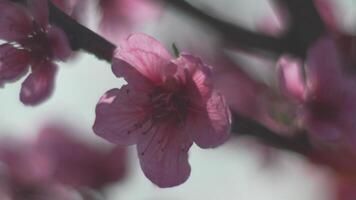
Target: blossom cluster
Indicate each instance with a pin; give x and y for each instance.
(57, 165)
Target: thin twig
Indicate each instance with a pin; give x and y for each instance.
(248, 127)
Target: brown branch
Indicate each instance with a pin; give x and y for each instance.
(305, 25)
(232, 34)
(81, 37)
(296, 41)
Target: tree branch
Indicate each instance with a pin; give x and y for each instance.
(305, 25)
(296, 41)
(81, 37)
(245, 126)
(232, 34)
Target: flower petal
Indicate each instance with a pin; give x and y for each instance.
(145, 54)
(201, 75)
(16, 23)
(163, 156)
(13, 63)
(120, 114)
(75, 162)
(323, 64)
(209, 126)
(39, 10)
(290, 77)
(143, 42)
(59, 43)
(39, 85)
(133, 77)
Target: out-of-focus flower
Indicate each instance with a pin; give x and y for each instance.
(345, 189)
(75, 163)
(327, 98)
(243, 94)
(31, 43)
(120, 17)
(166, 106)
(328, 14)
(57, 166)
(74, 8)
(25, 175)
(274, 25)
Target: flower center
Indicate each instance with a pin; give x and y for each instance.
(38, 44)
(169, 105)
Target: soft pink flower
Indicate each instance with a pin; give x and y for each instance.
(166, 106)
(327, 11)
(24, 174)
(31, 43)
(74, 8)
(328, 96)
(76, 163)
(120, 17)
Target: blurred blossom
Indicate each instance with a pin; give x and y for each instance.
(75, 163)
(346, 189)
(327, 98)
(120, 17)
(31, 43)
(57, 166)
(327, 11)
(274, 25)
(25, 175)
(345, 42)
(347, 45)
(244, 94)
(74, 8)
(166, 106)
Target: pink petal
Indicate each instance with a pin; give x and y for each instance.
(65, 5)
(323, 65)
(201, 74)
(163, 156)
(16, 23)
(39, 10)
(133, 77)
(143, 42)
(209, 125)
(119, 115)
(146, 54)
(290, 77)
(59, 43)
(39, 85)
(322, 129)
(77, 163)
(13, 63)
(328, 13)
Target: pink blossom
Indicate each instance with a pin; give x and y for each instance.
(166, 106)
(77, 163)
(327, 11)
(74, 8)
(120, 17)
(32, 43)
(327, 97)
(25, 175)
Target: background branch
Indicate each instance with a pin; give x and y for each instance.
(306, 27)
